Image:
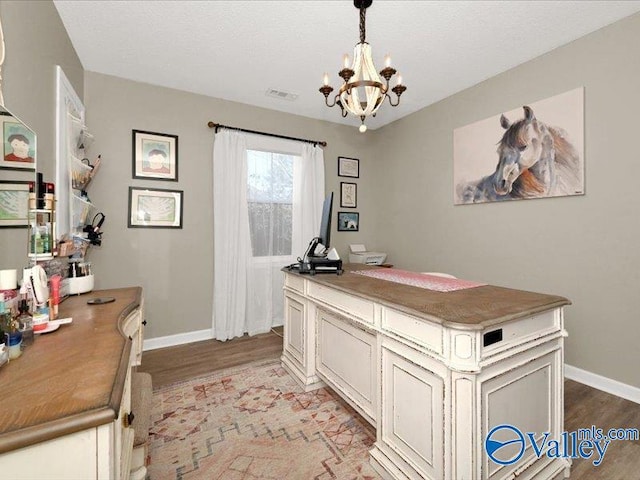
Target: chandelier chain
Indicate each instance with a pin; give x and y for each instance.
(363, 13)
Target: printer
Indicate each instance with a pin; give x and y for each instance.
(358, 254)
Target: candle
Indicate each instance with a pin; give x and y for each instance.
(326, 79)
(399, 80)
(346, 61)
(387, 61)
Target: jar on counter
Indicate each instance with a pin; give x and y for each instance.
(14, 344)
(25, 324)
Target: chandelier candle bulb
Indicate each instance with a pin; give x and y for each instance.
(399, 82)
(325, 79)
(387, 61)
(345, 61)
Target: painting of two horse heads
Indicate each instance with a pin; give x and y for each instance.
(535, 160)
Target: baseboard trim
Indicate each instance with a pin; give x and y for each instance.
(605, 384)
(178, 339)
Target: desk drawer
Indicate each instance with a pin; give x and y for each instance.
(498, 338)
(362, 309)
(294, 282)
(415, 329)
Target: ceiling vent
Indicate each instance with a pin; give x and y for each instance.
(272, 92)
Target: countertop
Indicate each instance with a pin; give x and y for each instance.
(470, 309)
(70, 379)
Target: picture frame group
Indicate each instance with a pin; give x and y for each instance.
(14, 203)
(155, 208)
(155, 156)
(18, 144)
(348, 221)
(348, 195)
(348, 167)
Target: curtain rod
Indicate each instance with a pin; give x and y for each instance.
(219, 125)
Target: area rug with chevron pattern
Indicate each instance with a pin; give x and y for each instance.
(254, 422)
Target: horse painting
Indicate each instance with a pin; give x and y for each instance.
(534, 160)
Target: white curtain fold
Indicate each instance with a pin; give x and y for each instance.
(230, 235)
(308, 195)
(247, 278)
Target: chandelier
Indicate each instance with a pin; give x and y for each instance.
(363, 91)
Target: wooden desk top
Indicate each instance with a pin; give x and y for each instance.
(71, 379)
(469, 309)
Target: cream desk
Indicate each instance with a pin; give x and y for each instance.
(433, 372)
(65, 412)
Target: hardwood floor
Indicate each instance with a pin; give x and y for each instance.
(175, 364)
(584, 406)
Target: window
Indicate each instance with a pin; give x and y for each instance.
(270, 202)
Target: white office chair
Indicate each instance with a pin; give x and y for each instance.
(439, 274)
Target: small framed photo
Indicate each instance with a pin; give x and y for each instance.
(348, 167)
(155, 208)
(14, 204)
(18, 145)
(348, 221)
(348, 195)
(155, 156)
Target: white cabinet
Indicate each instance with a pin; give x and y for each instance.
(133, 327)
(522, 392)
(412, 415)
(433, 389)
(99, 453)
(298, 355)
(352, 374)
(102, 452)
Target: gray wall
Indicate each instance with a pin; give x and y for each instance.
(175, 267)
(35, 42)
(582, 247)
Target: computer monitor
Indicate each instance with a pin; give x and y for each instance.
(325, 224)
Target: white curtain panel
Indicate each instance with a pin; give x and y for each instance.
(308, 196)
(248, 289)
(230, 235)
(265, 307)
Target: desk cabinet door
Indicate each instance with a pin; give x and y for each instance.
(346, 359)
(412, 408)
(294, 329)
(527, 397)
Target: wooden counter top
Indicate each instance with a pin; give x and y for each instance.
(471, 309)
(71, 379)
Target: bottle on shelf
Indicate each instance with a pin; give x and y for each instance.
(40, 191)
(36, 241)
(49, 196)
(32, 196)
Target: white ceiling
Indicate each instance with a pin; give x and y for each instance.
(236, 50)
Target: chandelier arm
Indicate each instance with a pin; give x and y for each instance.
(391, 101)
(326, 102)
(398, 90)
